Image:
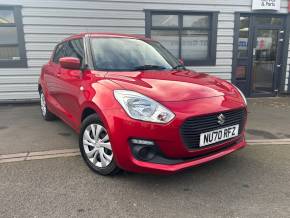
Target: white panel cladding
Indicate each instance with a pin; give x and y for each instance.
(46, 22)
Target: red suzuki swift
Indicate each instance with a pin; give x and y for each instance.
(137, 108)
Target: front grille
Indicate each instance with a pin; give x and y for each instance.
(193, 127)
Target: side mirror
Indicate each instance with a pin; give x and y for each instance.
(70, 63)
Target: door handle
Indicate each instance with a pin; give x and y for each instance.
(58, 74)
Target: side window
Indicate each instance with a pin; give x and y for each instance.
(12, 44)
(75, 48)
(59, 53)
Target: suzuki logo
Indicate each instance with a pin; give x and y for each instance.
(221, 119)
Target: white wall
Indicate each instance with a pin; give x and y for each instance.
(46, 22)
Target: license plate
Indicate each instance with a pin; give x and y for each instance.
(218, 135)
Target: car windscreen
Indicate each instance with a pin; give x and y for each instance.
(128, 54)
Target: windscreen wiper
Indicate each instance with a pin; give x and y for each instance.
(149, 67)
(179, 66)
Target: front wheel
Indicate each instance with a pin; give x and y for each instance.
(96, 148)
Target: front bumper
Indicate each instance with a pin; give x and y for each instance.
(176, 155)
(141, 166)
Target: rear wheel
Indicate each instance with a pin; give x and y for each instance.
(46, 114)
(96, 148)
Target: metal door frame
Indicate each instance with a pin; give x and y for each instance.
(248, 62)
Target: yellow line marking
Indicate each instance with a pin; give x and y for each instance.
(12, 160)
(38, 155)
(6, 156)
(52, 152)
(52, 156)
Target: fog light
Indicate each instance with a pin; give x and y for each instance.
(147, 153)
(143, 149)
(142, 142)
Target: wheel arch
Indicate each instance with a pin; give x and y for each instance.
(89, 108)
(87, 112)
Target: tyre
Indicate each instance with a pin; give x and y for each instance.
(46, 114)
(96, 148)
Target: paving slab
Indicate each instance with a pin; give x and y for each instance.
(269, 118)
(22, 129)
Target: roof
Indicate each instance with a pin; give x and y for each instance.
(94, 34)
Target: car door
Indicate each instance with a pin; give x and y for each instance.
(51, 76)
(70, 81)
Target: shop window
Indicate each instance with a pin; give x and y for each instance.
(243, 37)
(266, 20)
(12, 49)
(241, 72)
(190, 36)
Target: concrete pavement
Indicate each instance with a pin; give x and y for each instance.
(269, 118)
(23, 130)
(253, 182)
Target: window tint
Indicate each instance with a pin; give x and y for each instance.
(72, 48)
(75, 48)
(124, 54)
(59, 52)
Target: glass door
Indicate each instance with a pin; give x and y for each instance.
(265, 55)
(258, 53)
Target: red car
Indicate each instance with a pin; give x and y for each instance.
(137, 108)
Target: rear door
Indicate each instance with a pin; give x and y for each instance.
(70, 82)
(51, 76)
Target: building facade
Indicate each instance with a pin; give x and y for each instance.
(245, 42)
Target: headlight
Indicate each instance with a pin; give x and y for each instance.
(242, 94)
(140, 107)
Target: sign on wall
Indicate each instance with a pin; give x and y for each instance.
(266, 5)
(243, 44)
(193, 47)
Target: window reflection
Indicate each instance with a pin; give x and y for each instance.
(6, 17)
(243, 37)
(165, 20)
(269, 20)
